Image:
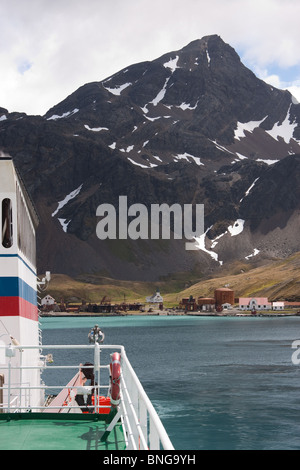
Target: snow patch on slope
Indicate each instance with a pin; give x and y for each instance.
(285, 130)
(117, 90)
(239, 133)
(250, 188)
(186, 156)
(95, 129)
(172, 64)
(268, 162)
(55, 117)
(184, 106)
(255, 252)
(160, 96)
(68, 198)
(236, 228)
(151, 165)
(200, 244)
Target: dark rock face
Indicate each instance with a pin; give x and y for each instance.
(193, 126)
(277, 191)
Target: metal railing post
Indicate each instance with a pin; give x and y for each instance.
(1, 392)
(97, 369)
(9, 385)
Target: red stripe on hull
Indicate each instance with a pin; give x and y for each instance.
(16, 306)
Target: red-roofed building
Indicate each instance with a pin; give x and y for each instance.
(292, 304)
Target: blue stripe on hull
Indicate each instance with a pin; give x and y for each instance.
(16, 287)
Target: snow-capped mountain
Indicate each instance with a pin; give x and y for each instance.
(193, 126)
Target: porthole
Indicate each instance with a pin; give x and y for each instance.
(7, 223)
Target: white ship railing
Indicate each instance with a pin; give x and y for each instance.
(142, 426)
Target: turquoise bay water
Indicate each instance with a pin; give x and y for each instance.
(216, 382)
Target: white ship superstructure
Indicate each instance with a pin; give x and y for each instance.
(18, 289)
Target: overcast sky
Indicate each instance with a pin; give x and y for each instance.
(49, 48)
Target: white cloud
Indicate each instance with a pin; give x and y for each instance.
(273, 80)
(50, 48)
(293, 86)
(295, 90)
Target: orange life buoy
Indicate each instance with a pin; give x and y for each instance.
(115, 371)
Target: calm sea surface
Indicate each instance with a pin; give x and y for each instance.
(217, 383)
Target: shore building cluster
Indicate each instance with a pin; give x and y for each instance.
(224, 299)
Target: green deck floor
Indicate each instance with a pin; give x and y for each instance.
(57, 431)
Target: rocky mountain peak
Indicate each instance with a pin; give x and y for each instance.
(192, 126)
(197, 98)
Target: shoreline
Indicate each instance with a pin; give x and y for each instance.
(231, 313)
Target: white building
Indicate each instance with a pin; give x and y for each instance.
(155, 298)
(227, 306)
(254, 303)
(48, 300)
(278, 305)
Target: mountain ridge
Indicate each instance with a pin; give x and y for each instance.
(192, 126)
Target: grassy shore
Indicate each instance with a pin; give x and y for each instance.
(277, 280)
(176, 312)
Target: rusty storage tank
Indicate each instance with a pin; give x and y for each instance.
(224, 296)
(206, 301)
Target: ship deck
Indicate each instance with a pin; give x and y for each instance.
(57, 431)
